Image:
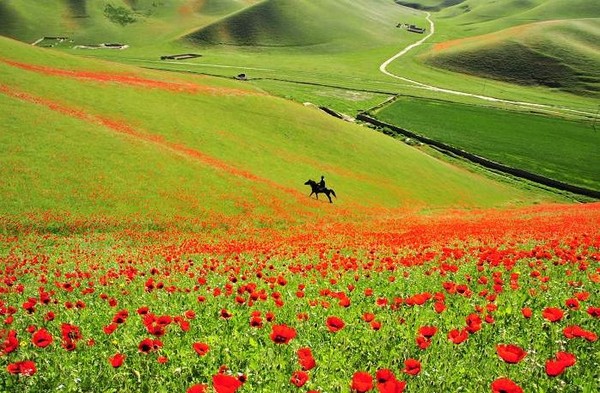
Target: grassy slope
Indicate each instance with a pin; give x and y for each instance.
(66, 163)
(86, 22)
(557, 54)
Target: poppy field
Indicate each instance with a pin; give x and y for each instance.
(481, 300)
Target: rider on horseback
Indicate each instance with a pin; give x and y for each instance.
(321, 184)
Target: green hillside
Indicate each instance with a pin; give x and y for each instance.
(557, 54)
(327, 25)
(93, 137)
(134, 22)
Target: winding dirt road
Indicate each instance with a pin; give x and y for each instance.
(523, 104)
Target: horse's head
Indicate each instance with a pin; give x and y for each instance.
(309, 182)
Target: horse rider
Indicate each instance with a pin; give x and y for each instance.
(321, 183)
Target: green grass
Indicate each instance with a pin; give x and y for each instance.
(560, 55)
(561, 149)
(280, 141)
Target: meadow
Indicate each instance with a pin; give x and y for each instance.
(156, 234)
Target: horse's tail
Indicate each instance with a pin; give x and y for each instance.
(332, 192)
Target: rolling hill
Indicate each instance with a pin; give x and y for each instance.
(525, 42)
(93, 137)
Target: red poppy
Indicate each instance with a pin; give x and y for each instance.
(384, 375)
(201, 348)
(458, 336)
(110, 328)
(117, 360)
(361, 382)
(555, 367)
(198, 388)
(552, 314)
(225, 383)
(576, 331)
(510, 353)
(42, 338)
(427, 331)
(306, 359)
(391, 386)
(527, 312)
(146, 345)
(299, 378)
(594, 311)
(439, 307)
(412, 366)
(8, 341)
(567, 358)
(282, 334)
(375, 325)
(26, 367)
(505, 385)
(162, 359)
(334, 324)
(368, 317)
(423, 342)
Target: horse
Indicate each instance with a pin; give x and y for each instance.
(318, 190)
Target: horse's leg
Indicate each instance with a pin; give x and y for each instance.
(330, 201)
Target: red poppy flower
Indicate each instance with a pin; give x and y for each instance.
(299, 378)
(146, 345)
(384, 375)
(42, 338)
(427, 331)
(576, 331)
(439, 307)
(334, 324)
(567, 358)
(412, 366)
(594, 311)
(8, 341)
(527, 312)
(510, 353)
(361, 382)
(26, 367)
(117, 360)
(555, 367)
(391, 386)
(368, 317)
(458, 336)
(375, 325)
(572, 303)
(423, 342)
(110, 328)
(505, 385)
(225, 383)
(198, 388)
(162, 359)
(306, 359)
(201, 348)
(552, 314)
(282, 334)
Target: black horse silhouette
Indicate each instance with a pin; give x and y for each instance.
(318, 190)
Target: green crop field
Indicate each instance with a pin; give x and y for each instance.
(560, 149)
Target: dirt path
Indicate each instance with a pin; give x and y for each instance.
(419, 85)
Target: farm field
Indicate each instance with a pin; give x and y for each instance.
(561, 149)
(157, 232)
